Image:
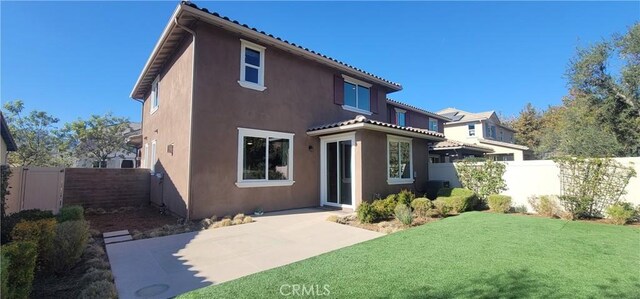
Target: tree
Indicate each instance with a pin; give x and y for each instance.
(528, 125)
(614, 99)
(36, 137)
(99, 139)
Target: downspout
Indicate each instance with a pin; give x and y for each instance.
(193, 78)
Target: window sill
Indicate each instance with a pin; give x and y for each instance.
(399, 181)
(356, 110)
(251, 85)
(257, 184)
(153, 110)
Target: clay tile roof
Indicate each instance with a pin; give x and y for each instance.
(449, 144)
(191, 4)
(405, 105)
(361, 119)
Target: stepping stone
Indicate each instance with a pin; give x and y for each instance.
(115, 234)
(117, 239)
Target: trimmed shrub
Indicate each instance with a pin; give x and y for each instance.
(10, 221)
(42, 232)
(94, 274)
(403, 214)
(247, 219)
(333, 218)
(238, 216)
(405, 197)
(499, 203)
(366, 213)
(223, 222)
(421, 206)
(440, 207)
(71, 213)
(237, 221)
(456, 204)
(545, 205)
(384, 207)
(23, 255)
(519, 209)
(4, 274)
(68, 245)
(620, 213)
(98, 290)
(467, 195)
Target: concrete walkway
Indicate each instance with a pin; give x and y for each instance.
(168, 266)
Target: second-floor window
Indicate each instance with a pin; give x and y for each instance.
(501, 135)
(155, 95)
(491, 131)
(252, 66)
(401, 117)
(472, 130)
(433, 124)
(357, 95)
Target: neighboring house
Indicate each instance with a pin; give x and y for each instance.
(483, 129)
(121, 159)
(8, 144)
(235, 119)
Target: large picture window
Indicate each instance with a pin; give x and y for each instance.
(265, 158)
(399, 157)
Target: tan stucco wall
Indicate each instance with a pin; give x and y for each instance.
(460, 132)
(170, 125)
(3, 152)
(299, 95)
(373, 146)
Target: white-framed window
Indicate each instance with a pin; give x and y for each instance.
(493, 132)
(145, 162)
(357, 95)
(152, 165)
(251, 65)
(472, 129)
(433, 124)
(155, 95)
(501, 135)
(401, 117)
(399, 157)
(265, 158)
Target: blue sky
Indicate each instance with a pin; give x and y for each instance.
(74, 59)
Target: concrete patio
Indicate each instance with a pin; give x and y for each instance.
(168, 266)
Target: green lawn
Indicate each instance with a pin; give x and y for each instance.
(478, 255)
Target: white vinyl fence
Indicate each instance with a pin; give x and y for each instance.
(536, 177)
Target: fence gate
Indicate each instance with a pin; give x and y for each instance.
(38, 188)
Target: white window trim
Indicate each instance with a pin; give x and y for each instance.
(469, 130)
(155, 98)
(363, 84)
(246, 84)
(154, 156)
(400, 111)
(433, 120)
(242, 183)
(145, 161)
(399, 181)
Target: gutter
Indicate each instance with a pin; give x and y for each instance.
(193, 79)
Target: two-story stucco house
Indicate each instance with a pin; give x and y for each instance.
(235, 119)
(482, 132)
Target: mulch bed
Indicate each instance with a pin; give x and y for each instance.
(138, 218)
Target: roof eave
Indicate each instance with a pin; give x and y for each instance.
(373, 127)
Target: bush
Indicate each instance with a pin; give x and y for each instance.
(620, 213)
(9, 222)
(421, 206)
(457, 204)
(545, 205)
(238, 217)
(94, 274)
(384, 207)
(403, 214)
(247, 219)
(68, 245)
(469, 196)
(366, 213)
(223, 222)
(71, 213)
(4, 274)
(519, 209)
(23, 255)
(98, 290)
(484, 178)
(441, 207)
(41, 232)
(405, 197)
(499, 203)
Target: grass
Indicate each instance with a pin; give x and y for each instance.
(474, 255)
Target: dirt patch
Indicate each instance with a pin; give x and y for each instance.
(387, 227)
(131, 218)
